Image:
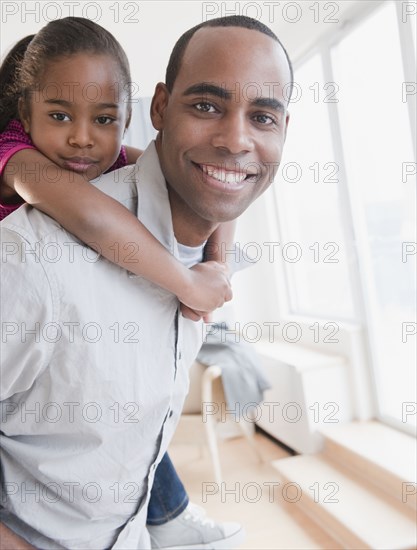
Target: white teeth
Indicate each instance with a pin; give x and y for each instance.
(222, 175)
(233, 177)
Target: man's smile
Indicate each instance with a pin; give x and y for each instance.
(233, 178)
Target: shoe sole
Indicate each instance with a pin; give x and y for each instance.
(224, 544)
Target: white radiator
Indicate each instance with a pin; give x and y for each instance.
(309, 389)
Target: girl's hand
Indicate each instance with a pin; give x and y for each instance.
(194, 315)
(209, 288)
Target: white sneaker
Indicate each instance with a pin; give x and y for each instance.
(192, 530)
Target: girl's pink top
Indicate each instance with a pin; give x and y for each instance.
(14, 139)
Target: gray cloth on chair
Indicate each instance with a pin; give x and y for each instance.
(243, 379)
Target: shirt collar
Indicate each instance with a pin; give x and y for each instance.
(154, 209)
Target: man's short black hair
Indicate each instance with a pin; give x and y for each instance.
(175, 60)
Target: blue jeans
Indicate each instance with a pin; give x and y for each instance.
(168, 496)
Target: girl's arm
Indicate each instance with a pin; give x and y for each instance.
(100, 221)
(10, 541)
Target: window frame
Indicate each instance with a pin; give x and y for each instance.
(351, 220)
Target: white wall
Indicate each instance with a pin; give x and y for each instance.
(148, 30)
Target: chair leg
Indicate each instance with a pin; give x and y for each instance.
(210, 426)
(209, 375)
(249, 431)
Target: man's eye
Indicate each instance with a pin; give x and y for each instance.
(105, 120)
(265, 119)
(204, 107)
(61, 117)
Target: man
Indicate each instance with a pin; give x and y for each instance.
(100, 358)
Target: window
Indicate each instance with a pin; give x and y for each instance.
(309, 203)
(348, 178)
(378, 165)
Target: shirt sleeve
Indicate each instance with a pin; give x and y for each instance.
(120, 162)
(27, 307)
(12, 140)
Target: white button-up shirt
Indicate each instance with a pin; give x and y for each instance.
(94, 374)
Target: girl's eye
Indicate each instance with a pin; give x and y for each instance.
(205, 107)
(61, 117)
(266, 120)
(103, 120)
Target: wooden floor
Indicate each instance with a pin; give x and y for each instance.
(248, 494)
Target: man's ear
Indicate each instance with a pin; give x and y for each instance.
(287, 120)
(158, 106)
(24, 115)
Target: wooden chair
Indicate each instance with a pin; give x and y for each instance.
(204, 409)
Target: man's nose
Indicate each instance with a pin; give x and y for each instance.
(234, 133)
(81, 135)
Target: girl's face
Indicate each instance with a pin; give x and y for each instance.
(78, 113)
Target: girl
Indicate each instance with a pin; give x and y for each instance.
(64, 107)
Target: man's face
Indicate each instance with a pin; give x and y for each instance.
(222, 128)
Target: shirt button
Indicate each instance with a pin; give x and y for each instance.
(171, 413)
(179, 355)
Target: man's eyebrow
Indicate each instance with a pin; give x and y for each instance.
(204, 88)
(65, 103)
(269, 103)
